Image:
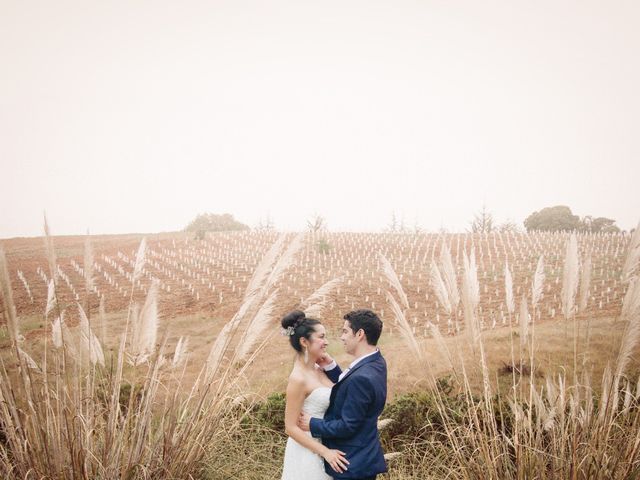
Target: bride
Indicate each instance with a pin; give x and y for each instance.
(308, 390)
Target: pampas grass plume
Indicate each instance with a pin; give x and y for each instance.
(258, 326)
(440, 288)
(263, 269)
(285, 261)
(470, 298)
(145, 328)
(449, 274)
(89, 341)
(30, 362)
(632, 260)
(392, 456)
(585, 283)
(218, 348)
(88, 265)
(524, 321)
(180, 353)
(631, 302)
(384, 423)
(51, 297)
(139, 265)
(51, 254)
(630, 313)
(440, 343)
(7, 299)
(538, 283)
(570, 276)
(56, 331)
(508, 288)
(266, 274)
(405, 328)
(317, 300)
(393, 279)
(103, 320)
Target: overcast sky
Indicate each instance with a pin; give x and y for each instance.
(135, 116)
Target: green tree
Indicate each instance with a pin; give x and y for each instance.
(599, 224)
(558, 218)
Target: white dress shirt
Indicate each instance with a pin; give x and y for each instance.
(333, 364)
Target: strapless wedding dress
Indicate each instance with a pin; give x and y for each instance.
(301, 463)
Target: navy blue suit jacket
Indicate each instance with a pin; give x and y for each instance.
(350, 423)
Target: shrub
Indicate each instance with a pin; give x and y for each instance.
(211, 222)
(416, 414)
(268, 414)
(323, 246)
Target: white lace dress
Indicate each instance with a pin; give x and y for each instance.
(301, 463)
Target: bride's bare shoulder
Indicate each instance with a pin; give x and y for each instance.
(297, 377)
(297, 382)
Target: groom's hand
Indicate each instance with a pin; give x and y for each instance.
(303, 421)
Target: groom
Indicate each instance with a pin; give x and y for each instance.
(350, 423)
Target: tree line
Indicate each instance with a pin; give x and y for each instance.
(552, 219)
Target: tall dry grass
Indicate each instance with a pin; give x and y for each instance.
(564, 428)
(77, 412)
(69, 413)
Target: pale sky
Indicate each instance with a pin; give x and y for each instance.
(134, 116)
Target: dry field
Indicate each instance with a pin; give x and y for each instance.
(131, 357)
(202, 282)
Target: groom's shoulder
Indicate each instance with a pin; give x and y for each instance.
(375, 357)
(376, 364)
(380, 358)
(379, 364)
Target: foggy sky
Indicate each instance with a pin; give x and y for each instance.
(124, 116)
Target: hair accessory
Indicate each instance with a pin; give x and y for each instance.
(287, 332)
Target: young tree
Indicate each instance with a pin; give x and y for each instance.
(482, 221)
(317, 223)
(509, 226)
(265, 224)
(393, 225)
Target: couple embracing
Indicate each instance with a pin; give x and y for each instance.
(331, 416)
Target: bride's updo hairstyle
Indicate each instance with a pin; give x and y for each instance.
(300, 326)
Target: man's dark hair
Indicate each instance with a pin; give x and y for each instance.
(367, 321)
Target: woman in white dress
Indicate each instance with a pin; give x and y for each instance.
(308, 390)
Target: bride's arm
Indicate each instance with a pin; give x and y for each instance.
(293, 408)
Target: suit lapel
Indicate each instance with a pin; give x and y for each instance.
(334, 389)
(362, 362)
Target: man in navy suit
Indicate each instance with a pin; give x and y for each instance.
(350, 423)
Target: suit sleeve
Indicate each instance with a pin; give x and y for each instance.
(334, 373)
(359, 398)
